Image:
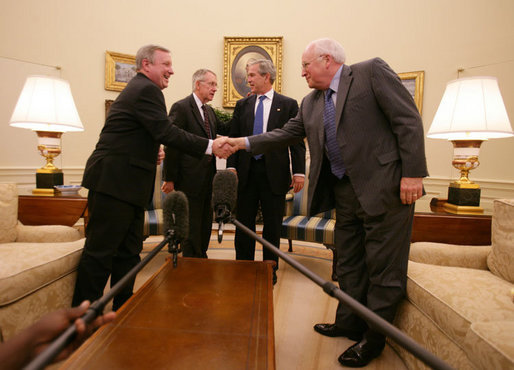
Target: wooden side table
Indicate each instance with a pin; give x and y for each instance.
(52, 210)
(451, 228)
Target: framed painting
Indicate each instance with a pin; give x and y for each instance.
(413, 81)
(238, 52)
(119, 70)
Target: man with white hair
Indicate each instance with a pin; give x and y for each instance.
(367, 154)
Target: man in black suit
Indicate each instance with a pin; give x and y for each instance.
(120, 175)
(367, 154)
(263, 179)
(191, 174)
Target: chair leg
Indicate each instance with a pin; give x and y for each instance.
(290, 245)
(334, 261)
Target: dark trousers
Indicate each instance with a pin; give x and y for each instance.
(114, 239)
(200, 225)
(258, 190)
(372, 256)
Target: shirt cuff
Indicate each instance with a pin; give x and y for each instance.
(208, 151)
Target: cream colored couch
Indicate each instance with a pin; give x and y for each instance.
(459, 299)
(37, 266)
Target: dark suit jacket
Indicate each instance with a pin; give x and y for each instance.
(277, 161)
(191, 174)
(123, 163)
(379, 132)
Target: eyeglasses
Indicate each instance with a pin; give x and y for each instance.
(306, 64)
(210, 84)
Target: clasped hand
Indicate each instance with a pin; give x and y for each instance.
(224, 147)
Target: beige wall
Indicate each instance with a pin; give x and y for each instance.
(437, 36)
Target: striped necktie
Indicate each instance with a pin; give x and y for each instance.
(333, 151)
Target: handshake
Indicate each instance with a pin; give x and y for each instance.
(224, 147)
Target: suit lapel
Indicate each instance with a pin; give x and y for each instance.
(342, 93)
(197, 115)
(274, 112)
(318, 107)
(250, 114)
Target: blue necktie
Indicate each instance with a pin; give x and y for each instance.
(333, 151)
(258, 122)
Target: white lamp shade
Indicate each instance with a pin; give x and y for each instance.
(471, 109)
(46, 104)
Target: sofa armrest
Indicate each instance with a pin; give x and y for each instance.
(469, 256)
(46, 233)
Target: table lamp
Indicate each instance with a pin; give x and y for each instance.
(46, 106)
(471, 111)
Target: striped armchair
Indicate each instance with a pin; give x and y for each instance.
(153, 212)
(296, 225)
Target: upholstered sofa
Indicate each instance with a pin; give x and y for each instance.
(459, 301)
(37, 266)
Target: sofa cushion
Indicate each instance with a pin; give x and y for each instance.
(8, 212)
(490, 346)
(46, 233)
(455, 297)
(27, 267)
(501, 259)
(470, 256)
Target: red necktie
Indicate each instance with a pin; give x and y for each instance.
(206, 121)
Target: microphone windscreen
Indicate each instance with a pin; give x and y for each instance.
(224, 189)
(175, 214)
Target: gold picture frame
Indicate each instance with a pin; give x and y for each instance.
(413, 81)
(237, 52)
(119, 70)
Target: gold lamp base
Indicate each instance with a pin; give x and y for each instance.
(49, 146)
(463, 210)
(463, 194)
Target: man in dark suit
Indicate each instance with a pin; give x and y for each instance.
(263, 179)
(120, 175)
(366, 144)
(191, 174)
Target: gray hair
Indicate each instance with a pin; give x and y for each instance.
(147, 52)
(265, 66)
(199, 75)
(329, 47)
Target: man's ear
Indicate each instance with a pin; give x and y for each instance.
(144, 64)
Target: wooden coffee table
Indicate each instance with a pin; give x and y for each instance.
(203, 314)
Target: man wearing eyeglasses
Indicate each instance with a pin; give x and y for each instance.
(367, 154)
(193, 175)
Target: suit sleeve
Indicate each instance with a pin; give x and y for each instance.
(291, 133)
(172, 158)
(151, 112)
(235, 131)
(297, 151)
(403, 115)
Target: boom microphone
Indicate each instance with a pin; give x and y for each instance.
(224, 195)
(175, 214)
(176, 225)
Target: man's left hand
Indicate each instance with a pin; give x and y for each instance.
(297, 183)
(411, 189)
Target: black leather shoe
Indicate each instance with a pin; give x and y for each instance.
(360, 354)
(331, 330)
